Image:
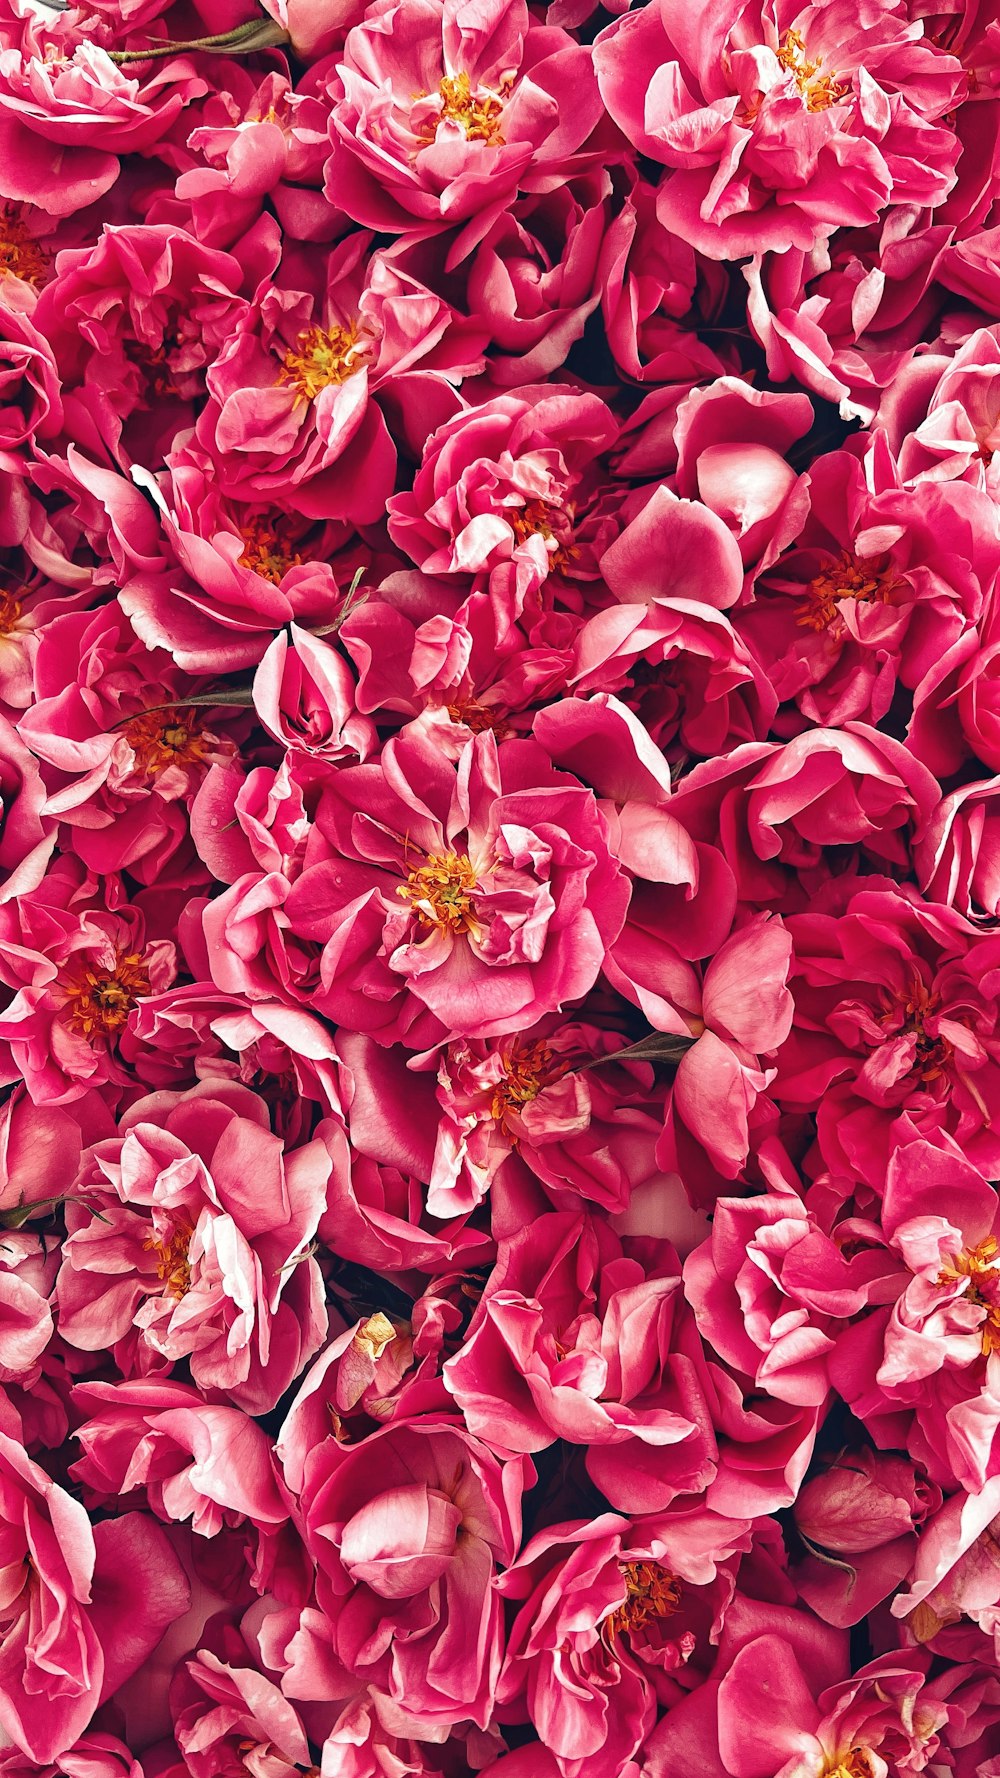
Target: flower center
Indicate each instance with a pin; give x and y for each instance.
(100, 1000)
(978, 1264)
(322, 357)
(527, 1068)
(270, 549)
(536, 518)
(853, 1763)
(162, 738)
(906, 1013)
(650, 1593)
(172, 1265)
(818, 90)
(441, 891)
(155, 364)
(869, 580)
(10, 613)
(20, 255)
(479, 717)
(479, 115)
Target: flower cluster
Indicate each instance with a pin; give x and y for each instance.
(499, 889)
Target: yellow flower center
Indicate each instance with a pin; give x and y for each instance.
(480, 117)
(526, 1070)
(162, 738)
(269, 549)
(537, 519)
(906, 1013)
(172, 1266)
(650, 1593)
(853, 1763)
(322, 357)
(479, 717)
(10, 613)
(21, 256)
(440, 892)
(100, 1000)
(818, 90)
(868, 580)
(978, 1264)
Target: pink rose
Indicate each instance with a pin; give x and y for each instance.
(201, 1248)
(66, 1582)
(775, 133)
(583, 1337)
(191, 1460)
(438, 117)
(859, 1520)
(474, 900)
(511, 481)
(406, 1531)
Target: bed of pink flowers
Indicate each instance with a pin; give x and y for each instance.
(499, 889)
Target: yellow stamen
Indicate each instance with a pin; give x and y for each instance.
(650, 1593)
(162, 738)
(853, 1763)
(479, 117)
(526, 1070)
(173, 1267)
(978, 1264)
(869, 581)
(10, 613)
(322, 357)
(441, 891)
(818, 90)
(269, 550)
(21, 256)
(100, 1000)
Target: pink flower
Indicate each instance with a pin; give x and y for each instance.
(241, 570)
(778, 129)
(200, 1250)
(406, 1531)
(67, 112)
(122, 754)
(291, 420)
(536, 278)
(877, 588)
(381, 1153)
(859, 1520)
(60, 1644)
(192, 1461)
(511, 481)
(229, 1716)
(739, 1012)
(934, 1350)
(305, 697)
(582, 1337)
(438, 117)
(757, 1716)
(135, 320)
(484, 897)
(894, 1011)
(957, 860)
(942, 414)
(27, 1274)
(76, 971)
(768, 1288)
(595, 1604)
(656, 292)
(554, 1101)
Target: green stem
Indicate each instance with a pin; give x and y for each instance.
(242, 40)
